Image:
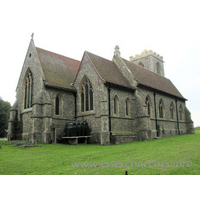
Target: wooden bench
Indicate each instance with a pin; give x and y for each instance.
(74, 139)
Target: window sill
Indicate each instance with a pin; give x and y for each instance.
(27, 110)
(86, 113)
(57, 116)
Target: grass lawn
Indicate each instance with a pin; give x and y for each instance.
(58, 158)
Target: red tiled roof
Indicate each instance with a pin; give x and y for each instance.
(58, 70)
(108, 70)
(153, 80)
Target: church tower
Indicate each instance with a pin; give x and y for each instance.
(150, 60)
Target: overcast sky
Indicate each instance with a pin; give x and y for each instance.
(170, 28)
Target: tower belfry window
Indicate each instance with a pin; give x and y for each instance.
(28, 91)
(141, 64)
(158, 68)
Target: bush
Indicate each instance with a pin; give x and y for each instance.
(4, 117)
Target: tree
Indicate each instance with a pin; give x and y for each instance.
(4, 117)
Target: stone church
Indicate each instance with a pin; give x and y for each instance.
(121, 100)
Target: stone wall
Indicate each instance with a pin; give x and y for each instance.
(67, 104)
(31, 62)
(100, 99)
(122, 122)
(167, 126)
(27, 123)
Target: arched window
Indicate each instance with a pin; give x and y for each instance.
(57, 105)
(141, 64)
(148, 103)
(28, 91)
(86, 96)
(181, 112)
(127, 107)
(172, 110)
(116, 105)
(158, 68)
(161, 109)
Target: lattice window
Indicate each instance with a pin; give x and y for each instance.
(28, 91)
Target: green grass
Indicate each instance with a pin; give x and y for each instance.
(57, 158)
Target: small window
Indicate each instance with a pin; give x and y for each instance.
(127, 107)
(116, 104)
(181, 112)
(161, 109)
(57, 106)
(172, 110)
(148, 103)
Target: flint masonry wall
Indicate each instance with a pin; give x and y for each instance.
(67, 106)
(121, 122)
(97, 116)
(31, 62)
(168, 126)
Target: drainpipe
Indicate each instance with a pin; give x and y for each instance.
(155, 113)
(177, 118)
(109, 113)
(75, 93)
(75, 105)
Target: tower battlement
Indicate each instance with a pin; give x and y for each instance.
(144, 54)
(150, 60)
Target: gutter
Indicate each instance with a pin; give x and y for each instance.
(58, 87)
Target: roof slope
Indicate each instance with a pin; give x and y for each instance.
(108, 70)
(152, 80)
(58, 70)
